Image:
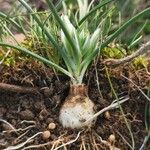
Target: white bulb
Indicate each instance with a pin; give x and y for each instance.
(75, 111)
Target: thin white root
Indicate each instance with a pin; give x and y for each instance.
(36, 146)
(22, 144)
(11, 126)
(111, 106)
(24, 129)
(70, 142)
(28, 121)
(19, 137)
(21, 129)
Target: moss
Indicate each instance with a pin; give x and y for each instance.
(141, 62)
(113, 52)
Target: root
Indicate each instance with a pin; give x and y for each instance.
(11, 126)
(70, 142)
(20, 137)
(17, 89)
(37, 146)
(110, 107)
(117, 62)
(28, 121)
(54, 143)
(110, 145)
(23, 143)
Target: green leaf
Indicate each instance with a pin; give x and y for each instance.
(38, 57)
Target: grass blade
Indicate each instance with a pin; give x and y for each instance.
(103, 3)
(38, 57)
(8, 19)
(124, 26)
(50, 37)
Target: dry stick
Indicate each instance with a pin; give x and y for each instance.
(116, 62)
(17, 89)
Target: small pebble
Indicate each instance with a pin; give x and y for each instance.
(52, 126)
(46, 135)
(107, 115)
(112, 138)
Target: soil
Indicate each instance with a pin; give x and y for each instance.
(31, 113)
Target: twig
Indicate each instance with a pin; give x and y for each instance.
(117, 62)
(17, 89)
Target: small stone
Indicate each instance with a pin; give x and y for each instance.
(112, 138)
(46, 135)
(52, 126)
(107, 115)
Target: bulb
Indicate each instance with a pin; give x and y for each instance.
(77, 109)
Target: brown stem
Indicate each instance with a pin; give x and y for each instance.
(116, 62)
(17, 89)
(78, 90)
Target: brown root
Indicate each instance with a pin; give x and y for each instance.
(17, 89)
(143, 50)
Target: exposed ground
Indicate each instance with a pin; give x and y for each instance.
(30, 113)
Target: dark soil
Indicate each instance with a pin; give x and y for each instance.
(42, 108)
